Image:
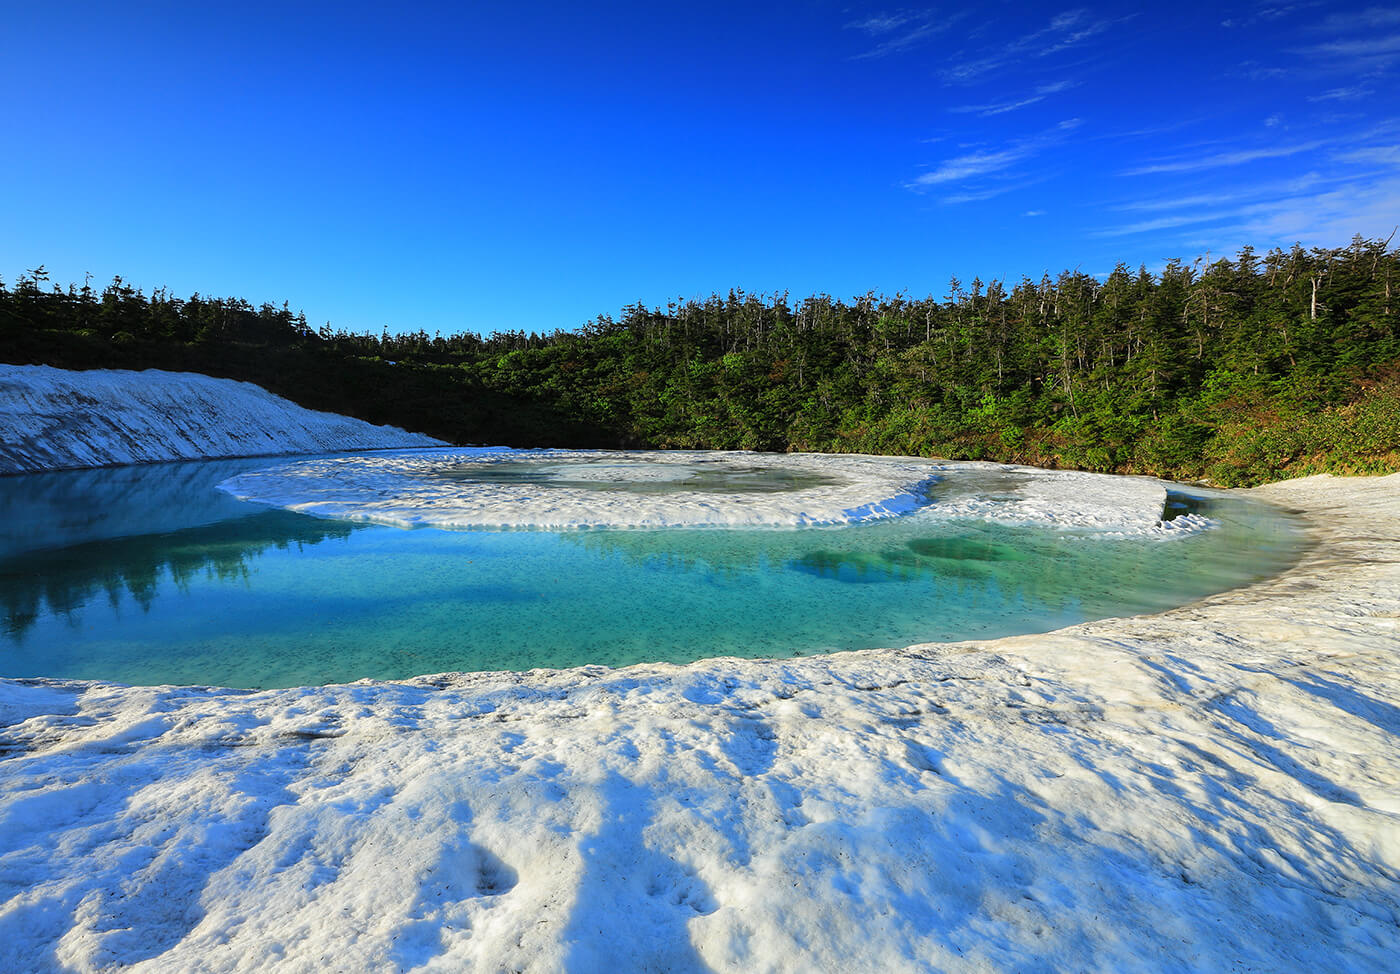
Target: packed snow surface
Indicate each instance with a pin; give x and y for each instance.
(53, 419)
(1213, 788)
(560, 490)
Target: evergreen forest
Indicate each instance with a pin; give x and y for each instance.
(1231, 370)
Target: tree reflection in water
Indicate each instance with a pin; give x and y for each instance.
(65, 580)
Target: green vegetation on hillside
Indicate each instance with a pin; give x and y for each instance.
(1238, 370)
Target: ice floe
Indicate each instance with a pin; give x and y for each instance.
(53, 419)
(1068, 500)
(1214, 788)
(562, 490)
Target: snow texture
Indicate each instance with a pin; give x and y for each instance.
(1213, 788)
(421, 490)
(53, 419)
(411, 491)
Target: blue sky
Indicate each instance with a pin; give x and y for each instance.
(530, 165)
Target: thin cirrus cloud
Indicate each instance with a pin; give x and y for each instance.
(1271, 12)
(1368, 19)
(1352, 93)
(1222, 159)
(998, 165)
(1357, 43)
(1254, 191)
(899, 32)
(1161, 223)
(1369, 47)
(1363, 42)
(991, 192)
(1384, 155)
(1293, 215)
(974, 164)
(1323, 218)
(1040, 93)
(1064, 31)
(882, 23)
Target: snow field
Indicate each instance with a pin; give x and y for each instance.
(1213, 788)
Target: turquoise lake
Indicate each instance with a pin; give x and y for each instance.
(150, 575)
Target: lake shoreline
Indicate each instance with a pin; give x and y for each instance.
(1211, 787)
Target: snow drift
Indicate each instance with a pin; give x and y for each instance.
(54, 419)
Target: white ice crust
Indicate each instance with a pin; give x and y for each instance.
(1068, 500)
(405, 490)
(1216, 788)
(54, 419)
(408, 490)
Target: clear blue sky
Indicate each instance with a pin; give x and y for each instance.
(530, 165)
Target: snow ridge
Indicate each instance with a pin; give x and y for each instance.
(54, 419)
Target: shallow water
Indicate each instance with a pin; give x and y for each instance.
(150, 575)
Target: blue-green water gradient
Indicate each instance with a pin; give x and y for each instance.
(149, 575)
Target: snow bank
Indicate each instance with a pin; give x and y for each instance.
(1213, 788)
(439, 490)
(52, 419)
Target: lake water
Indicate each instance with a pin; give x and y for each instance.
(151, 575)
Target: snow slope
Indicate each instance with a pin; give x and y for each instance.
(52, 419)
(1213, 788)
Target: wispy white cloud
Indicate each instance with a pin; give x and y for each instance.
(1383, 155)
(1237, 158)
(997, 163)
(1224, 198)
(1268, 12)
(1255, 71)
(1148, 131)
(1040, 93)
(991, 191)
(1370, 208)
(1357, 43)
(1384, 129)
(882, 23)
(1366, 47)
(1065, 30)
(975, 164)
(1034, 213)
(1364, 43)
(899, 31)
(1364, 206)
(1350, 93)
(1369, 19)
(1161, 223)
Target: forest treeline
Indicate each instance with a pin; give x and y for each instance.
(1236, 370)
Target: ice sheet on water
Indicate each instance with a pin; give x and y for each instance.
(1069, 500)
(562, 490)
